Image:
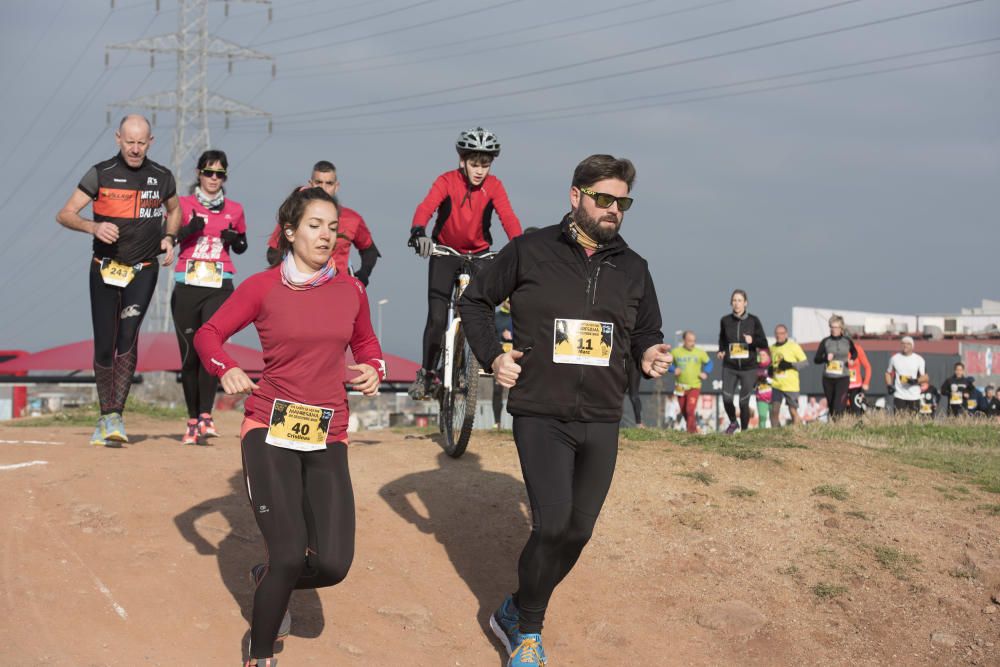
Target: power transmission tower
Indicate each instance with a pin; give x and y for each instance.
(191, 101)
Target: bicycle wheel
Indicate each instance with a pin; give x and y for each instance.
(458, 405)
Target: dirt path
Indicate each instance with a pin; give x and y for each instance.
(139, 557)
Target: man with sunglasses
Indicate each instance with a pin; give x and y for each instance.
(579, 278)
(128, 195)
(464, 199)
(352, 229)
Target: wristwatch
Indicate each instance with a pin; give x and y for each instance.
(172, 237)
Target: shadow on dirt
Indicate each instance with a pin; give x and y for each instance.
(479, 516)
(240, 549)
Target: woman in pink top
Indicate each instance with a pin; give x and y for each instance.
(212, 225)
(294, 435)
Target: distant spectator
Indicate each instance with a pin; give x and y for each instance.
(860, 370)
(929, 398)
(959, 391)
(671, 411)
(786, 360)
(902, 378)
(992, 402)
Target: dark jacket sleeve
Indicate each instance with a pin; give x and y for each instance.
(759, 339)
(820, 357)
(648, 322)
(369, 256)
(723, 341)
(494, 283)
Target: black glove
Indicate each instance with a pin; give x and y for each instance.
(784, 365)
(193, 228)
(420, 242)
(891, 389)
(229, 236)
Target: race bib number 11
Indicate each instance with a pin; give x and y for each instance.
(298, 426)
(582, 342)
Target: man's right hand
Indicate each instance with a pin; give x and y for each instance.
(106, 232)
(720, 354)
(423, 246)
(506, 369)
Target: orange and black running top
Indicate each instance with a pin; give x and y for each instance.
(133, 200)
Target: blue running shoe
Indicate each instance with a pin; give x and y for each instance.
(529, 652)
(503, 623)
(115, 429)
(100, 437)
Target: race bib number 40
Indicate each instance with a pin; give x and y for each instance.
(298, 426)
(203, 274)
(582, 342)
(116, 274)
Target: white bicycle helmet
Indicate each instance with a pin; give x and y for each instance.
(478, 141)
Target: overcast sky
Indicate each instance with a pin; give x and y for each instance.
(868, 193)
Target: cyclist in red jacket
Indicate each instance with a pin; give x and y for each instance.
(465, 199)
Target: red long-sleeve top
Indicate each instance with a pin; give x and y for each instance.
(304, 334)
(465, 214)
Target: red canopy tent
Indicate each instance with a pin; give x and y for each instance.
(159, 352)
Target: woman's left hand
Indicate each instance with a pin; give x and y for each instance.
(367, 383)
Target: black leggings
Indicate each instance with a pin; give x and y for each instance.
(567, 469)
(304, 506)
(748, 383)
(117, 314)
(440, 281)
(498, 391)
(835, 390)
(193, 306)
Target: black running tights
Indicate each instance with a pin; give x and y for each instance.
(567, 469)
(117, 314)
(193, 306)
(304, 506)
(747, 380)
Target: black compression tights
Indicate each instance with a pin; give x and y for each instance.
(193, 306)
(567, 469)
(748, 383)
(117, 314)
(304, 504)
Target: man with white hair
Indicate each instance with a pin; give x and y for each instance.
(903, 377)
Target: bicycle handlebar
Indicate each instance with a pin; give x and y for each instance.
(444, 251)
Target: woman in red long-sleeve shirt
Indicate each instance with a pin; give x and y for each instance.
(294, 433)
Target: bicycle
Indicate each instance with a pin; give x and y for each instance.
(458, 368)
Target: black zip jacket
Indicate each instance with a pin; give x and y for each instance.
(547, 276)
(731, 330)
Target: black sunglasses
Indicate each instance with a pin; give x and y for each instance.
(604, 200)
(218, 173)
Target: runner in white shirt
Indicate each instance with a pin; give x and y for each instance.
(906, 371)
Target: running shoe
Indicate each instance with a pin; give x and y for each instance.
(529, 652)
(733, 428)
(257, 573)
(100, 437)
(261, 662)
(206, 427)
(190, 433)
(503, 623)
(115, 429)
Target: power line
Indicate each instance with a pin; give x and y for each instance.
(593, 78)
(52, 97)
(344, 24)
(503, 47)
(541, 113)
(590, 61)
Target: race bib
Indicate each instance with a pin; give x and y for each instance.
(971, 404)
(926, 408)
(582, 342)
(739, 351)
(854, 375)
(298, 426)
(835, 367)
(203, 274)
(904, 379)
(116, 274)
(956, 398)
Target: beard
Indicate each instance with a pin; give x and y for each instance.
(592, 226)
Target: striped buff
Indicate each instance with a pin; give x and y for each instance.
(292, 278)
